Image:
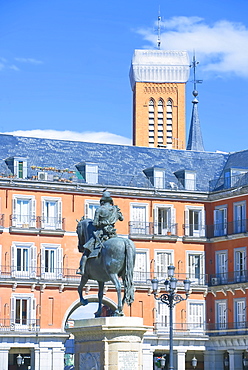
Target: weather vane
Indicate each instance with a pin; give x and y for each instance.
(159, 29)
(195, 81)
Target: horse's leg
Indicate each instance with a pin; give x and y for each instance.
(100, 295)
(83, 282)
(115, 280)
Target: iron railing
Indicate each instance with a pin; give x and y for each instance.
(228, 182)
(227, 228)
(152, 228)
(194, 230)
(21, 221)
(27, 325)
(232, 277)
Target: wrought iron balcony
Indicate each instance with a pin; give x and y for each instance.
(21, 221)
(232, 277)
(51, 223)
(227, 328)
(194, 230)
(27, 325)
(151, 229)
(227, 228)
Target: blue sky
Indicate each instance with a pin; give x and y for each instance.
(64, 65)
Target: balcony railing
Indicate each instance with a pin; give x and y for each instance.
(70, 275)
(201, 328)
(27, 222)
(194, 230)
(227, 228)
(232, 277)
(152, 229)
(28, 325)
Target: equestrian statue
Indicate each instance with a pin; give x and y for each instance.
(106, 256)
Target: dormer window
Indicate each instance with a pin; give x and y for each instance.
(187, 179)
(156, 176)
(89, 171)
(234, 177)
(17, 166)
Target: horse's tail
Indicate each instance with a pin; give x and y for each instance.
(128, 275)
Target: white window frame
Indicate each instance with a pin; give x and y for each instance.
(220, 228)
(141, 267)
(239, 217)
(239, 270)
(190, 229)
(51, 222)
(55, 271)
(88, 212)
(221, 269)
(30, 272)
(221, 314)
(239, 315)
(191, 274)
(20, 220)
(91, 173)
(171, 223)
(163, 316)
(196, 323)
(159, 178)
(139, 226)
(189, 180)
(161, 271)
(31, 311)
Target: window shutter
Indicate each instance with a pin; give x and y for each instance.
(43, 207)
(12, 312)
(42, 262)
(13, 258)
(202, 222)
(59, 263)
(33, 212)
(173, 220)
(32, 312)
(14, 211)
(186, 220)
(59, 226)
(33, 261)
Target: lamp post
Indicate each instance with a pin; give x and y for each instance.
(171, 298)
(19, 360)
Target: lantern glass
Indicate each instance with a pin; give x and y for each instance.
(194, 362)
(167, 285)
(173, 283)
(171, 270)
(162, 362)
(154, 285)
(19, 360)
(186, 285)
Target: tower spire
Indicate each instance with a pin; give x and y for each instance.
(195, 141)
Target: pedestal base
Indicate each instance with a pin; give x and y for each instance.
(108, 343)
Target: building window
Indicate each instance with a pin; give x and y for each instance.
(139, 217)
(240, 313)
(187, 179)
(17, 166)
(162, 316)
(240, 264)
(195, 267)
(164, 220)
(220, 220)
(23, 260)
(221, 266)
(169, 124)
(151, 122)
(194, 221)
(51, 261)
(239, 217)
(23, 308)
(24, 211)
(221, 314)
(162, 260)
(141, 266)
(196, 315)
(90, 208)
(51, 213)
(160, 122)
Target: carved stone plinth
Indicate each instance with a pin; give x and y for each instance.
(108, 343)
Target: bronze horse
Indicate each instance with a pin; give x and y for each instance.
(116, 259)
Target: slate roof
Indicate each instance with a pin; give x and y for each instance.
(118, 164)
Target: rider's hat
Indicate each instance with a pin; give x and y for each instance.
(106, 197)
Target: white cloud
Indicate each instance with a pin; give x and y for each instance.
(221, 47)
(94, 137)
(29, 60)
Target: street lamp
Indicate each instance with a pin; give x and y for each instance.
(19, 360)
(194, 362)
(171, 299)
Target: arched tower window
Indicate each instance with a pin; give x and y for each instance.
(160, 122)
(151, 123)
(169, 124)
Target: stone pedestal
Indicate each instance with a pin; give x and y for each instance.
(108, 343)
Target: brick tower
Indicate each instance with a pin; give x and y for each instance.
(158, 79)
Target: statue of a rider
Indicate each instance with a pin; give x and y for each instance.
(104, 221)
